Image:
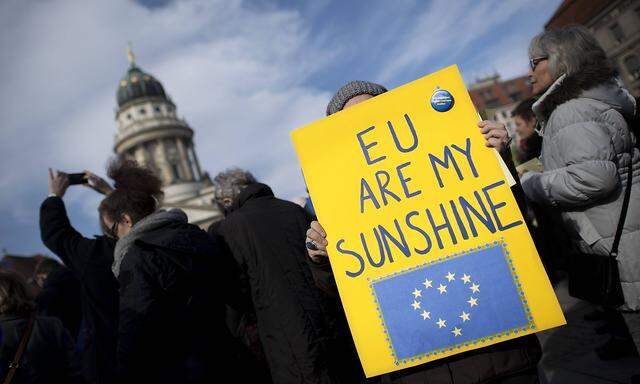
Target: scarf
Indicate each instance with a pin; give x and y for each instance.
(148, 224)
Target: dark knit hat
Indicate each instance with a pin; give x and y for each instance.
(353, 89)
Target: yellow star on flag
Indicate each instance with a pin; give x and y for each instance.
(474, 288)
(427, 283)
(466, 278)
(464, 316)
(473, 301)
(426, 315)
(442, 289)
(457, 331)
(417, 293)
(441, 323)
(415, 305)
(450, 276)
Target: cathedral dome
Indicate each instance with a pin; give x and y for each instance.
(138, 84)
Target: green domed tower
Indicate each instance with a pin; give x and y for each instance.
(136, 84)
(150, 132)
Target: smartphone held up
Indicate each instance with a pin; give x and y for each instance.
(77, 178)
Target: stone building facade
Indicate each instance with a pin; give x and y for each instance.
(150, 132)
(616, 26)
(495, 98)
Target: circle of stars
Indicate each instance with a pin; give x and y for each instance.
(449, 278)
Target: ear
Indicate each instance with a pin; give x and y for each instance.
(126, 219)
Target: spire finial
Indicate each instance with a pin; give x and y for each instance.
(131, 56)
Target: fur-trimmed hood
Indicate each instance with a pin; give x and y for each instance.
(592, 82)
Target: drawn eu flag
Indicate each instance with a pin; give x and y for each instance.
(452, 303)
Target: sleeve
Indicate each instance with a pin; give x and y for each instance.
(232, 275)
(323, 276)
(61, 238)
(232, 261)
(138, 299)
(589, 172)
(232, 238)
(516, 189)
(72, 361)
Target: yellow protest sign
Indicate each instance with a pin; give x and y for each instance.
(430, 253)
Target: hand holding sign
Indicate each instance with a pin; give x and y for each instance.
(316, 241)
(496, 134)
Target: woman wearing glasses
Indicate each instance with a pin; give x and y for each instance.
(587, 149)
(170, 314)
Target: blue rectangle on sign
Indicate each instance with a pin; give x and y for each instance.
(451, 303)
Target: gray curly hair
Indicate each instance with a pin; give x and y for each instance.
(230, 182)
(568, 49)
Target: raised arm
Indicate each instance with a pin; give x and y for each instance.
(60, 237)
(56, 230)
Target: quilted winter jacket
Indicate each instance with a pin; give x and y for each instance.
(586, 154)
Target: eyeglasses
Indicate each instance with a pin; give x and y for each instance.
(533, 63)
(113, 229)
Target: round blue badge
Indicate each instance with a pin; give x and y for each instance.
(442, 100)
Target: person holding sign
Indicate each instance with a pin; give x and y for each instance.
(588, 158)
(512, 361)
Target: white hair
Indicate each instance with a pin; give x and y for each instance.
(231, 182)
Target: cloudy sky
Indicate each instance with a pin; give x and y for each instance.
(243, 74)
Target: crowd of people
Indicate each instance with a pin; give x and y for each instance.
(155, 299)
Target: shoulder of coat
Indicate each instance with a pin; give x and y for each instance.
(578, 110)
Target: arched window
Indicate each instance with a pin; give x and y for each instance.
(632, 63)
(175, 170)
(173, 158)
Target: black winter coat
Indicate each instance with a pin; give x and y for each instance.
(90, 261)
(240, 316)
(49, 357)
(60, 297)
(171, 311)
(298, 324)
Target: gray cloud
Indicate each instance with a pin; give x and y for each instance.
(243, 76)
(237, 76)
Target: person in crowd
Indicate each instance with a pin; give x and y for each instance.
(587, 150)
(59, 295)
(48, 356)
(89, 259)
(303, 338)
(513, 361)
(171, 318)
(240, 314)
(529, 142)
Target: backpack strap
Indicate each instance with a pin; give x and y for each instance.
(625, 201)
(15, 363)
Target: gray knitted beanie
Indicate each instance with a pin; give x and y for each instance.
(353, 89)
